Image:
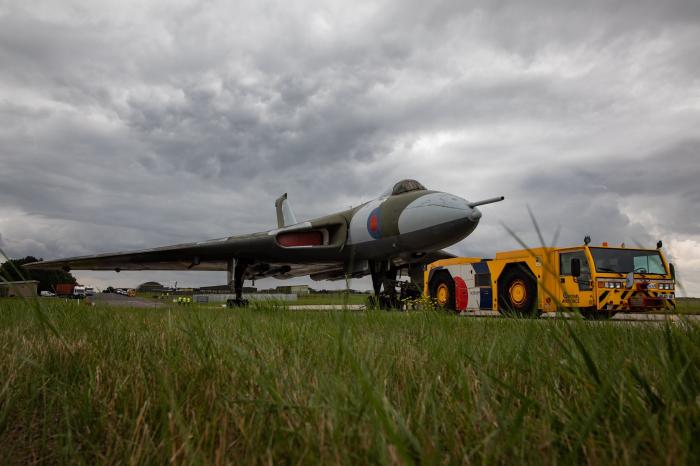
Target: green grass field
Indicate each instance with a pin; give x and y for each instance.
(688, 305)
(331, 298)
(84, 385)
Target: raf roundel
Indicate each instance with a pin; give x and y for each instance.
(373, 224)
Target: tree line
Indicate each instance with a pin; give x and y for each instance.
(12, 270)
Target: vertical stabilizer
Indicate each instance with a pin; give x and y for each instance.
(285, 216)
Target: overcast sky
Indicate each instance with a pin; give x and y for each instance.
(133, 124)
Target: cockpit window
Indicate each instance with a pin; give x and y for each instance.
(405, 186)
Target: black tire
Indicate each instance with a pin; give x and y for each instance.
(383, 302)
(440, 284)
(517, 293)
(592, 314)
(233, 303)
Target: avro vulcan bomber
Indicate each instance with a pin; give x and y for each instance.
(404, 228)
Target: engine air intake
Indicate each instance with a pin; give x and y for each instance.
(300, 238)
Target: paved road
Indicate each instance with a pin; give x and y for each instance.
(124, 301)
(327, 307)
(637, 317)
(113, 299)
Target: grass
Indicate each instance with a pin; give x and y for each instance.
(92, 385)
(331, 298)
(688, 305)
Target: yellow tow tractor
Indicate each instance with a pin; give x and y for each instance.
(598, 281)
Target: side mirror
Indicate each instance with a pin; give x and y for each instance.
(673, 271)
(576, 267)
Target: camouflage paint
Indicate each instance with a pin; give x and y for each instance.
(371, 231)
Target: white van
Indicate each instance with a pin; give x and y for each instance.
(79, 291)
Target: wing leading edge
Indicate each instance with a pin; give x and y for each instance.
(206, 255)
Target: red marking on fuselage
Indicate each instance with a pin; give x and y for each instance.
(373, 223)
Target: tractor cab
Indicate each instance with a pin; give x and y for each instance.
(616, 279)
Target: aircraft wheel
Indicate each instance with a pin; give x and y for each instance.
(236, 303)
(442, 290)
(389, 302)
(517, 294)
(593, 314)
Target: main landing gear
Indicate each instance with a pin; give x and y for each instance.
(384, 276)
(235, 272)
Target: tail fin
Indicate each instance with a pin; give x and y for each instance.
(285, 216)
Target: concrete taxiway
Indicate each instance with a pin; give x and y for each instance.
(112, 299)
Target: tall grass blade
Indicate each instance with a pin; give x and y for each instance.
(41, 317)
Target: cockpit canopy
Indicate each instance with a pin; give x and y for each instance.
(404, 186)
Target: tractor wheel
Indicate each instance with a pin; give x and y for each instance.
(592, 314)
(517, 294)
(442, 290)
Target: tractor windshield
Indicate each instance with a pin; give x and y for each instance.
(628, 260)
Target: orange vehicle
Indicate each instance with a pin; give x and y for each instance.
(598, 281)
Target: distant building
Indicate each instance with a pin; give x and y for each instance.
(299, 290)
(26, 289)
(150, 287)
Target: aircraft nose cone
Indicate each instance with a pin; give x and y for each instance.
(443, 214)
(474, 215)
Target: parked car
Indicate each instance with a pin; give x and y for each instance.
(46, 294)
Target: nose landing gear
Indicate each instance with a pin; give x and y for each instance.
(384, 284)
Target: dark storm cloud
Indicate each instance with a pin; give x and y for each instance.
(662, 182)
(129, 125)
(659, 173)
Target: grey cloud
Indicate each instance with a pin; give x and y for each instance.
(661, 181)
(669, 171)
(123, 129)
